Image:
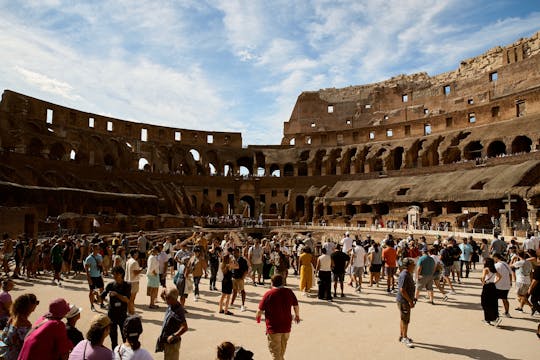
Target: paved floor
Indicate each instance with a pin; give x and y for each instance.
(357, 326)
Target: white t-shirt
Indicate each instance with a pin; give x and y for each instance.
(346, 242)
(255, 254)
(359, 255)
(523, 271)
(325, 262)
(329, 246)
(531, 243)
(153, 265)
(131, 266)
(122, 352)
(505, 283)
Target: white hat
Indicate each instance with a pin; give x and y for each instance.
(73, 311)
(347, 233)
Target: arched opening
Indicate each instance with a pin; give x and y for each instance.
(288, 170)
(244, 171)
(247, 205)
(213, 170)
(274, 170)
(195, 154)
(473, 150)
(260, 171)
(300, 206)
(350, 209)
(194, 202)
(451, 155)
(302, 169)
(57, 152)
(144, 164)
(521, 144)
(35, 148)
(273, 208)
(496, 148)
(292, 141)
(72, 155)
(227, 170)
(246, 162)
(317, 162)
(395, 159)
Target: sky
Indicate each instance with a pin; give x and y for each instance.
(225, 65)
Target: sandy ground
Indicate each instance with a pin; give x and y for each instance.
(357, 326)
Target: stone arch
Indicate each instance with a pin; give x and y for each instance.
(260, 159)
(496, 148)
(274, 170)
(411, 157)
(359, 160)
(451, 155)
(317, 162)
(346, 160)
(212, 158)
(212, 169)
(395, 158)
(430, 156)
(228, 169)
(35, 147)
(300, 206)
(350, 210)
(246, 162)
(376, 161)
(273, 209)
(247, 206)
(331, 161)
(144, 164)
(521, 144)
(473, 150)
(57, 151)
(302, 164)
(288, 170)
(72, 155)
(195, 154)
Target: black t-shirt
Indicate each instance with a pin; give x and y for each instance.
(117, 308)
(74, 334)
(536, 276)
(242, 268)
(340, 259)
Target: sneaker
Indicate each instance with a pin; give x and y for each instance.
(196, 298)
(221, 311)
(92, 308)
(342, 295)
(400, 338)
(498, 321)
(408, 342)
(507, 314)
(388, 290)
(487, 322)
(519, 309)
(452, 292)
(242, 308)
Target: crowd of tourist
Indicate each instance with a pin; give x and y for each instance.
(404, 266)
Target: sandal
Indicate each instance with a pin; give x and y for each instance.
(229, 313)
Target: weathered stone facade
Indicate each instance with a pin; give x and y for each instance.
(417, 149)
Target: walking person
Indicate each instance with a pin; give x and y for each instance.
(276, 305)
(13, 335)
(488, 298)
(227, 266)
(133, 271)
(119, 293)
(504, 283)
(196, 269)
(93, 267)
(340, 261)
(324, 271)
(238, 277)
(306, 271)
(465, 257)
(174, 326)
(152, 275)
(405, 300)
(214, 254)
(523, 269)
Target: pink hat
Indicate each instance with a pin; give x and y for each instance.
(58, 309)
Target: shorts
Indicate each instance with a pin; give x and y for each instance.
(447, 270)
(162, 279)
(456, 265)
(358, 271)
(57, 267)
(522, 289)
(502, 294)
(405, 312)
(134, 287)
(97, 283)
(375, 268)
(256, 268)
(390, 271)
(238, 284)
(339, 277)
(425, 282)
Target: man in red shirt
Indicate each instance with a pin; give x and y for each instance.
(389, 256)
(276, 305)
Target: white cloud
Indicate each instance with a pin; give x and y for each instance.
(47, 84)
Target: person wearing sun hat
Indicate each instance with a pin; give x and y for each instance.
(74, 334)
(92, 348)
(48, 337)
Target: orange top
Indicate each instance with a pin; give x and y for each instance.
(389, 256)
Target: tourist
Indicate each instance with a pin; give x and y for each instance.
(324, 272)
(498, 246)
(92, 348)
(267, 259)
(47, 339)
(405, 299)
(13, 335)
(93, 267)
(238, 278)
(227, 351)
(181, 281)
(74, 334)
(306, 270)
(389, 257)
(281, 262)
(255, 261)
(534, 288)
(142, 246)
(438, 271)
(5, 301)
(67, 255)
(375, 260)
(340, 261)
(465, 257)
(504, 284)
(57, 260)
(119, 293)
(488, 297)
(276, 305)
(131, 348)
(18, 255)
(119, 258)
(7, 252)
(448, 262)
(523, 269)
(168, 248)
(359, 259)
(227, 266)
(174, 325)
(132, 278)
(196, 270)
(152, 276)
(214, 255)
(424, 274)
(163, 262)
(484, 250)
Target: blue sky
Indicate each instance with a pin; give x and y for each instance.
(236, 65)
